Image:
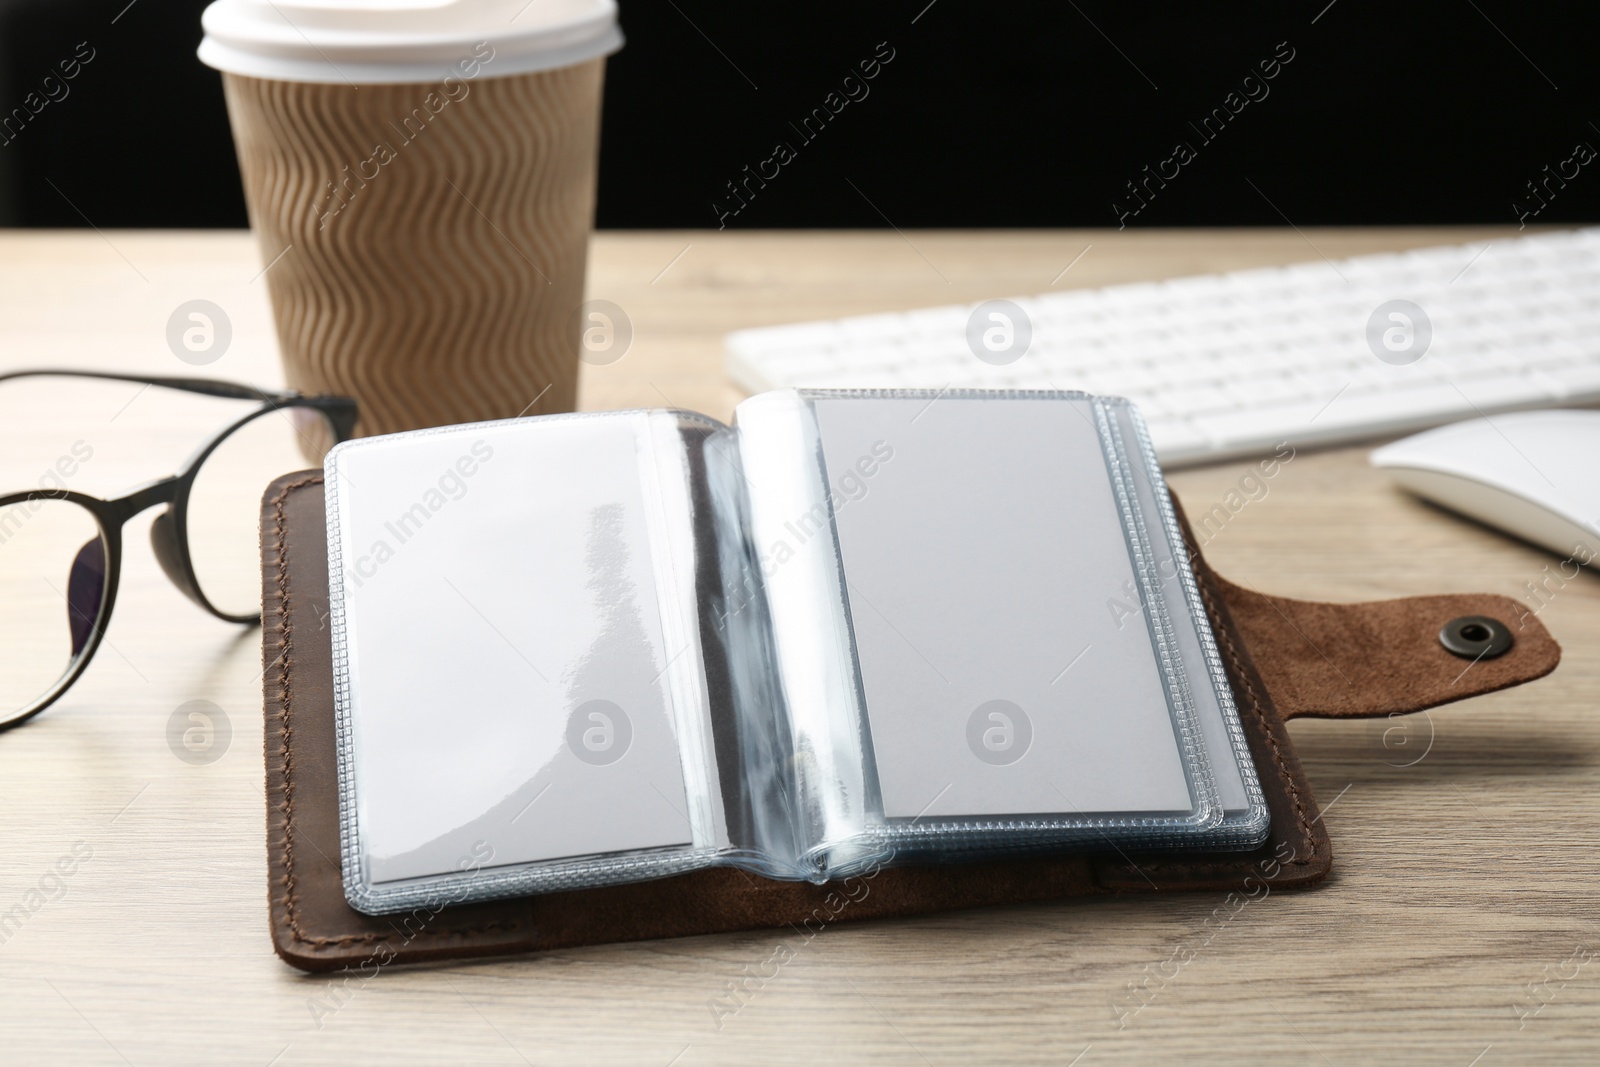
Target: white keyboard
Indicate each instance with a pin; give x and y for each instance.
(1236, 364)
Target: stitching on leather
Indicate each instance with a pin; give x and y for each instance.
(1260, 712)
(291, 899)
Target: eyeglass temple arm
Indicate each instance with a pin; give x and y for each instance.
(203, 386)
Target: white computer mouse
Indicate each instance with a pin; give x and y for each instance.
(1534, 474)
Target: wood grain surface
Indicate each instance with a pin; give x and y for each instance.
(1460, 926)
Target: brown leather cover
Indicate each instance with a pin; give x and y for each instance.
(1285, 658)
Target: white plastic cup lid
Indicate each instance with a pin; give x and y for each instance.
(402, 41)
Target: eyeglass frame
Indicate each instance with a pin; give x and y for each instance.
(169, 533)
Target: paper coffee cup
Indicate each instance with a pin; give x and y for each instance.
(420, 176)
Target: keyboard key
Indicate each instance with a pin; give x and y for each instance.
(1204, 399)
(1174, 436)
(1258, 425)
(868, 328)
(1503, 391)
(1377, 413)
(1579, 380)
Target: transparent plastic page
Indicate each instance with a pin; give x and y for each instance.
(754, 746)
(520, 660)
(949, 651)
(791, 523)
(1246, 818)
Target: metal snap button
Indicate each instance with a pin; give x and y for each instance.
(1476, 637)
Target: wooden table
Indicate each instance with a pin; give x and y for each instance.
(1467, 843)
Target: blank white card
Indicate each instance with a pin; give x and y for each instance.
(507, 664)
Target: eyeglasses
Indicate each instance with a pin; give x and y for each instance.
(61, 551)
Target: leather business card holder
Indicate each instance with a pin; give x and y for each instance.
(1284, 659)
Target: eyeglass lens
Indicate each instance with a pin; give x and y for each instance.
(53, 581)
(224, 509)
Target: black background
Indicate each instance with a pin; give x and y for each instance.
(1015, 114)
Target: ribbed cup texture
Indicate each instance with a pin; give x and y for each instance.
(429, 252)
